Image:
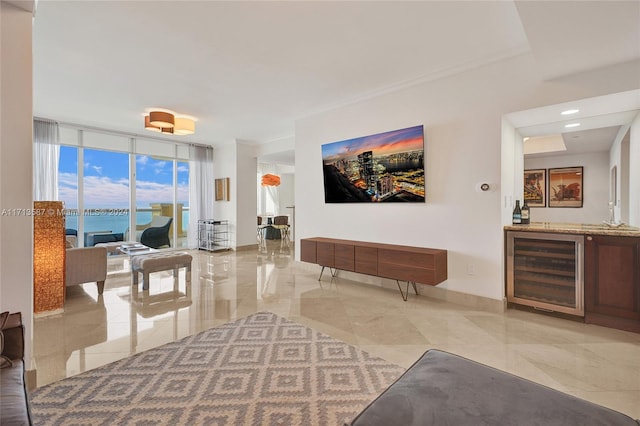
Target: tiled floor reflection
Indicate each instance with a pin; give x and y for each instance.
(596, 363)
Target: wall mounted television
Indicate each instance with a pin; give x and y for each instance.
(382, 168)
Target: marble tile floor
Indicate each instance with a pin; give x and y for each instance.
(596, 363)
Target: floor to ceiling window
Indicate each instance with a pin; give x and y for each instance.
(102, 175)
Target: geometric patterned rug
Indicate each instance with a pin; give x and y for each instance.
(259, 370)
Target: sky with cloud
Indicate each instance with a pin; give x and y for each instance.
(106, 179)
(393, 142)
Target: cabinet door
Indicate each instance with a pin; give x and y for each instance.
(308, 251)
(612, 282)
(366, 260)
(325, 254)
(344, 257)
(405, 265)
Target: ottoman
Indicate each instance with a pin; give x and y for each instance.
(446, 389)
(160, 261)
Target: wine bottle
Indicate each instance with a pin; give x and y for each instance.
(517, 214)
(524, 214)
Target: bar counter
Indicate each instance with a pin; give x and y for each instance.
(577, 228)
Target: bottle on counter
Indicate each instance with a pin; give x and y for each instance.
(517, 214)
(524, 214)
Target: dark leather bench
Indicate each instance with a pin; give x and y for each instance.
(14, 400)
(446, 389)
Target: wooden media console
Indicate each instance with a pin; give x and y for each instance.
(396, 262)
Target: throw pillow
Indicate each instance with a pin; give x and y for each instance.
(3, 320)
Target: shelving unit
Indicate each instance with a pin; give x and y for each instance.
(213, 234)
(545, 271)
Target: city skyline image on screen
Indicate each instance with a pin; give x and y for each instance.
(385, 167)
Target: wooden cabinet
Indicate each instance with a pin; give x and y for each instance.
(402, 263)
(425, 266)
(308, 251)
(545, 271)
(366, 260)
(325, 254)
(344, 256)
(612, 281)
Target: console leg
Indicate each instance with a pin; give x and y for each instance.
(405, 294)
(334, 272)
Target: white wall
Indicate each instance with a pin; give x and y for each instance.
(463, 123)
(634, 172)
(595, 188)
(237, 161)
(286, 193)
(16, 166)
(246, 195)
(616, 160)
(276, 146)
(224, 165)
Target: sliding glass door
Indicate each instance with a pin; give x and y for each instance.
(99, 186)
(105, 193)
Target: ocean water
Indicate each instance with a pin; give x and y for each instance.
(115, 222)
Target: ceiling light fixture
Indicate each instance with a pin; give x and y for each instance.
(149, 126)
(167, 122)
(184, 126)
(570, 111)
(568, 126)
(161, 119)
(270, 180)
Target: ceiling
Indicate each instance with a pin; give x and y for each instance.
(599, 120)
(247, 70)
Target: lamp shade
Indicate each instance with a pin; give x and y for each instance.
(184, 126)
(161, 119)
(49, 254)
(270, 180)
(149, 126)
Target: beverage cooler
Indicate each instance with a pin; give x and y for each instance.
(545, 271)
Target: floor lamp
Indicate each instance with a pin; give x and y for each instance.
(49, 252)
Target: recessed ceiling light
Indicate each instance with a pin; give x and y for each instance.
(571, 125)
(525, 139)
(570, 111)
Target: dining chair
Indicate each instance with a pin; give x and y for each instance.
(261, 230)
(282, 223)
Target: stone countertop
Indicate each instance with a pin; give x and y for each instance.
(577, 228)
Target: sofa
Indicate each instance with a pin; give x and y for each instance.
(14, 399)
(93, 238)
(446, 389)
(86, 265)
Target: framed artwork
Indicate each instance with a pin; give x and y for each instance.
(382, 168)
(565, 187)
(535, 186)
(222, 189)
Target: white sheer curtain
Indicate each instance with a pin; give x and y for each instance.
(200, 189)
(46, 155)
